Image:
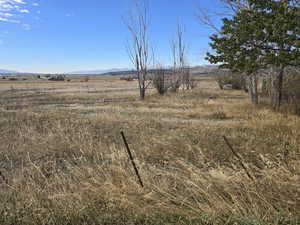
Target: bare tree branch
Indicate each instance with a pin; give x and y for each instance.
(205, 19)
(139, 48)
(227, 9)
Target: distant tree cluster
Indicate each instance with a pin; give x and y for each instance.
(142, 56)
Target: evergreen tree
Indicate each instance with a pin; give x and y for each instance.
(265, 34)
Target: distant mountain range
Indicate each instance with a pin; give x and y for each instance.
(7, 71)
(204, 69)
(83, 72)
(114, 70)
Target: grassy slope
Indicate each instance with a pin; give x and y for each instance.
(66, 164)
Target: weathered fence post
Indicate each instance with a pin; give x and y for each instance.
(239, 158)
(3, 178)
(132, 160)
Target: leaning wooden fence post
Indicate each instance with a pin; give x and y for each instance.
(239, 158)
(132, 160)
(3, 178)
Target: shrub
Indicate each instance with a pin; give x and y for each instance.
(86, 79)
(220, 115)
(237, 80)
(165, 80)
(160, 81)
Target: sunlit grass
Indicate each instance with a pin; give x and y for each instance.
(68, 164)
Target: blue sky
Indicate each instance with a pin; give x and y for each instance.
(70, 35)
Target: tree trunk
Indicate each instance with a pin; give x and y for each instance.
(142, 81)
(142, 93)
(245, 86)
(277, 84)
(252, 82)
(142, 89)
(142, 84)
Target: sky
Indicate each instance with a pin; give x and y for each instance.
(57, 36)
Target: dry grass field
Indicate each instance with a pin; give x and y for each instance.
(62, 159)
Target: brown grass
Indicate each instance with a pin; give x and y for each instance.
(66, 163)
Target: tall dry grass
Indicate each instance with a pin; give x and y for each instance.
(68, 164)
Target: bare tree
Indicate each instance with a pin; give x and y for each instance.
(139, 49)
(179, 76)
(181, 71)
(175, 78)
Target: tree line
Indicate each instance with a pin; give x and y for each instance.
(257, 37)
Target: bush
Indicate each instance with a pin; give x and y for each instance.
(57, 78)
(236, 80)
(220, 115)
(86, 79)
(164, 81)
(159, 81)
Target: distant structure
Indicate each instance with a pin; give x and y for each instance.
(52, 77)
